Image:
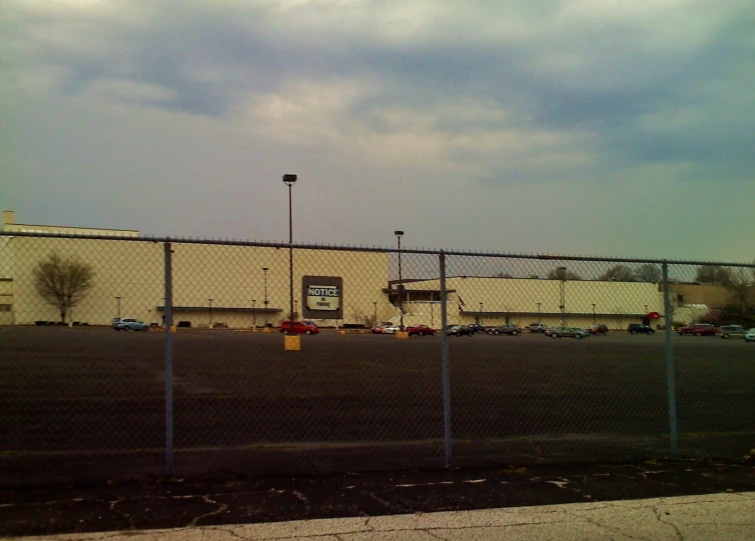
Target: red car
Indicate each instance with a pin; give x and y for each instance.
(299, 327)
(698, 329)
(420, 330)
(598, 329)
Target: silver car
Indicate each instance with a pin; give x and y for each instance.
(581, 332)
(565, 332)
(750, 335)
(130, 324)
(731, 331)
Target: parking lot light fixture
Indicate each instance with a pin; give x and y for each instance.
(400, 234)
(265, 302)
(289, 181)
(562, 300)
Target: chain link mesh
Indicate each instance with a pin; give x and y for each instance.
(550, 360)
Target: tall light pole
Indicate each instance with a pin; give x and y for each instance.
(289, 181)
(118, 300)
(562, 296)
(594, 321)
(538, 312)
(264, 278)
(254, 313)
(400, 234)
(209, 301)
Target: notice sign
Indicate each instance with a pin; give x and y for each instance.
(326, 298)
(322, 297)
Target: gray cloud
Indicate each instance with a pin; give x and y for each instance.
(492, 92)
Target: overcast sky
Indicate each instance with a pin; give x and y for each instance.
(603, 127)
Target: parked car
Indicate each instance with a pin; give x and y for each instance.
(750, 335)
(475, 328)
(459, 330)
(129, 324)
(420, 330)
(598, 329)
(565, 332)
(508, 328)
(639, 328)
(731, 331)
(299, 327)
(391, 329)
(537, 327)
(380, 327)
(583, 333)
(698, 329)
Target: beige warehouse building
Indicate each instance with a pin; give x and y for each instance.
(227, 284)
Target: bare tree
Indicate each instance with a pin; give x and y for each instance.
(562, 273)
(619, 273)
(63, 283)
(712, 274)
(739, 281)
(649, 273)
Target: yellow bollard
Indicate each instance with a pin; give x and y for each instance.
(173, 328)
(292, 342)
(266, 329)
(403, 335)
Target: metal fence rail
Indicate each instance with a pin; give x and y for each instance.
(210, 385)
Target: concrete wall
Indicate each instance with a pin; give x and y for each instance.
(231, 275)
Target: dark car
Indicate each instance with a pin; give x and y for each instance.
(508, 328)
(639, 328)
(475, 328)
(537, 327)
(698, 329)
(299, 327)
(420, 330)
(598, 329)
(459, 330)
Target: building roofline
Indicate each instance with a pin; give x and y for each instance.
(76, 227)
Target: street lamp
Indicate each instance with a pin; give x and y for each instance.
(562, 295)
(593, 314)
(400, 234)
(264, 278)
(118, 300)
(210, 303)
(254, 313)
(289, 181)
(538, 312)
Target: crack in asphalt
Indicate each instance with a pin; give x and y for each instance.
(607, 527)
(222, 507)
(659, 518)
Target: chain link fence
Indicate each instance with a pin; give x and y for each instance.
(121, 358)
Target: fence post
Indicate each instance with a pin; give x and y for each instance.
(168, 359)
(670, 372)
(444, 361)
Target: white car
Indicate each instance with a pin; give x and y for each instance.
(750, 335)
(391, 329)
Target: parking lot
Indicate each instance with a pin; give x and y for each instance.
(82, 395)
